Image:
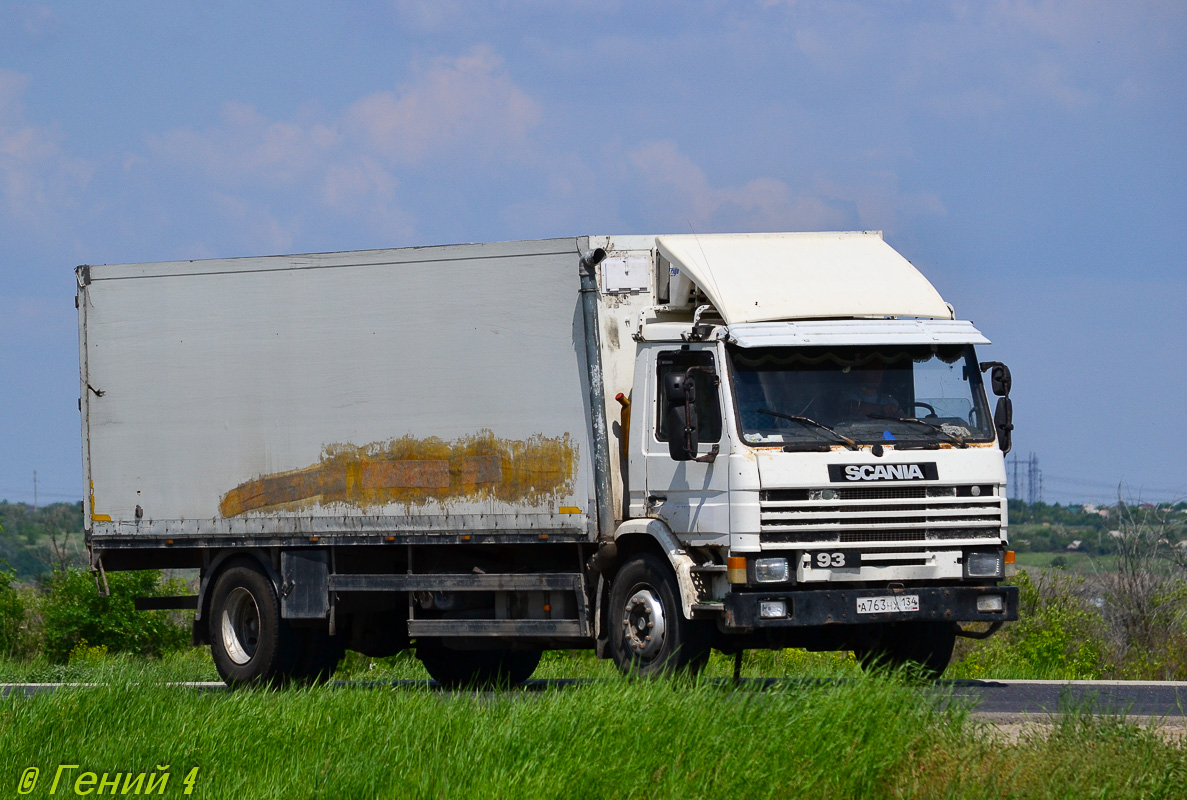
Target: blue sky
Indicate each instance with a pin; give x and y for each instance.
(1027, 155)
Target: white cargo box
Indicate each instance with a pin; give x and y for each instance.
(420, 389)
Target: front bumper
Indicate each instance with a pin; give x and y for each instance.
(839, 606)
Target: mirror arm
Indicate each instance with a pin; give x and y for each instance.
(711, 456)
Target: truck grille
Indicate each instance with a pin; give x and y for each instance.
(880, 514)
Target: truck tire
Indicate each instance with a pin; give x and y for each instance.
(923, 645)
(477, 668)
(249, 641)
(648, 632)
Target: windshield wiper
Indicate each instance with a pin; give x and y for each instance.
(811, 423)
(952, 437)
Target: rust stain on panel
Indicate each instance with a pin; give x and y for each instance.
(412, 471)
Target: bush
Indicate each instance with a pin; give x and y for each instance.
(14, 639)
(73, 614)
(1060, 634)
(1145, 595)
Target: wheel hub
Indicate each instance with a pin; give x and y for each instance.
(643, 624)
(240, 626)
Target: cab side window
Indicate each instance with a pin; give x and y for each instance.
(708, 404)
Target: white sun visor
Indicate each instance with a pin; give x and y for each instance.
(868, 332)
(762, 277)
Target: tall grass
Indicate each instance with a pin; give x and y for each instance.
(873, 736)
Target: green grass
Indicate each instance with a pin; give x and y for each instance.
(865, 736)
(194, 664)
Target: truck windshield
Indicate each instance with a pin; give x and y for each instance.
(904, 396)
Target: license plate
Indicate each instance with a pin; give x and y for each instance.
(887, 603)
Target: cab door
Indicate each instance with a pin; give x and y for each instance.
(692, 497)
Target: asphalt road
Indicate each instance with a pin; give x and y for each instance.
(1128, 698)
(997, 698)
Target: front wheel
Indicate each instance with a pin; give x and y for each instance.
(648, 632)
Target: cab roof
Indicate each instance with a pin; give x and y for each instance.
(764, 277)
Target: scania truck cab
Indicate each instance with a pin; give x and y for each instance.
(820, 444)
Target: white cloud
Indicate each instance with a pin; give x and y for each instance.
(464, 102)
(247, 147)
(262, 226)
(465, 108)
(37, 180)
(976, 58)
(433, 16)
(32, 21)
(881, 203)
(684, 194)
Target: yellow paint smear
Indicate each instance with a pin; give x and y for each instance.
(413, 471)
(96, 517)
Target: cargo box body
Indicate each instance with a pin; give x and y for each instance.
(398, 391)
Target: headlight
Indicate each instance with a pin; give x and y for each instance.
(983, 565)
(770, 570)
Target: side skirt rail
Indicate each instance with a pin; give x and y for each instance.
(463, 582)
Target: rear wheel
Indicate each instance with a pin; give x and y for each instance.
(458, 668)
(648, 632)
(925, 645)
(249, 641)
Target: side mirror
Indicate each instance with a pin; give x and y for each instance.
(680, 416)
(999, 378)
(1003, 420)
(1003, 415)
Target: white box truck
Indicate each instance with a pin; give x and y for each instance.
(647, 445)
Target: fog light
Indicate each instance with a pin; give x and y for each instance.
(735, 569)
(990, 602)
(770, 570)
(774, 609)
(983, 565)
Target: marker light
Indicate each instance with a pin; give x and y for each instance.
(735, 569)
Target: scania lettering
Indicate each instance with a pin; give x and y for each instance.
(884, 472)
(646, 445)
